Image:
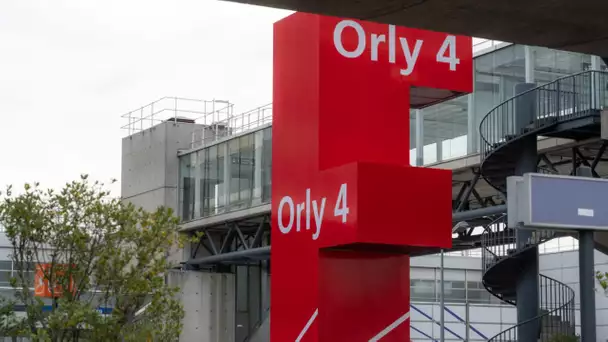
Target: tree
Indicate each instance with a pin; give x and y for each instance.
(92, 252)
(565, 338)
(602, 278)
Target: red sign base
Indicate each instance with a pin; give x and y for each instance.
(363, 296)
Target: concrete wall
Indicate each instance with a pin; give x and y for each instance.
(150, 167)
(209, 302)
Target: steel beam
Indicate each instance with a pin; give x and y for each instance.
(599, 155)
(477, 213)
(467, 194)
(585, 162)
(262, 252)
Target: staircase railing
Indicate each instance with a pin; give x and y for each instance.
(556, 300)
(564, 99)
(557, 314)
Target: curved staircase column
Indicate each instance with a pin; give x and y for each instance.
(527, 284)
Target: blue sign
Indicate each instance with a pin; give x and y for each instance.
(565, 202)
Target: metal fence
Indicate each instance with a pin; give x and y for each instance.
(564, 99)
(204, 112)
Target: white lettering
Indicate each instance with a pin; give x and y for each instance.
(307, 209)
(338, 38)
(318, 217)
(391, 43)
(446, 54)
(317, 206)
(376, 40)
(285, 200)
(410, 58)
(449, 47)
(341, 208)
(299, 209)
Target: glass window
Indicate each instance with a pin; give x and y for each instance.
(5, 278)
(246, 167)
(219, 180)
(258, 142)
(6, 265)
(496, 75)
(206, 188)
(212, 189)
(422, 290)
(445, 130)
(454, 291)
(203, 170)
(233, 164)
(242, 163)
(413, 137)
(266, 163)
(550, 65)
(187, 186)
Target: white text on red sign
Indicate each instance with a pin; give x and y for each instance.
(303, 210)
(409, 53)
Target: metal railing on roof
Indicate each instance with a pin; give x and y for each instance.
(179, 109)
(233, 125)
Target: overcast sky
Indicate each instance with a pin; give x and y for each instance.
(70, 69)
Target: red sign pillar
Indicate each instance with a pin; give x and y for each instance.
(347, 207)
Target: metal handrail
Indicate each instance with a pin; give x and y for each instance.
(564, 312)
(567, 98)
(233, 125)
(563, 99)
(556, 299)
(547, 333)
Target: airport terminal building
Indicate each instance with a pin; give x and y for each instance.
(213, 166)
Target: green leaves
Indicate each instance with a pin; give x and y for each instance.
(101, 252)
(602, 278)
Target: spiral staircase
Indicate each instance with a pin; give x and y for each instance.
(568, 107)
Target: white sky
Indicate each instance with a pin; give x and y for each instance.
(70, 68)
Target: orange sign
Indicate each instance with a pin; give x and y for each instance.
(41, 282)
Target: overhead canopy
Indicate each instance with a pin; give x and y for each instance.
(579, 26)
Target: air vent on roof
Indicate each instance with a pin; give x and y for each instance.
(180, 119)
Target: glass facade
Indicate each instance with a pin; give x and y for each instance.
(447, 125)
(236, 174)
(227, 176)
(461, 286)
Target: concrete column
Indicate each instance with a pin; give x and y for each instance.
(208, 301)
(529, 54)
(596, 64)
(527, 283)
(419, 138)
